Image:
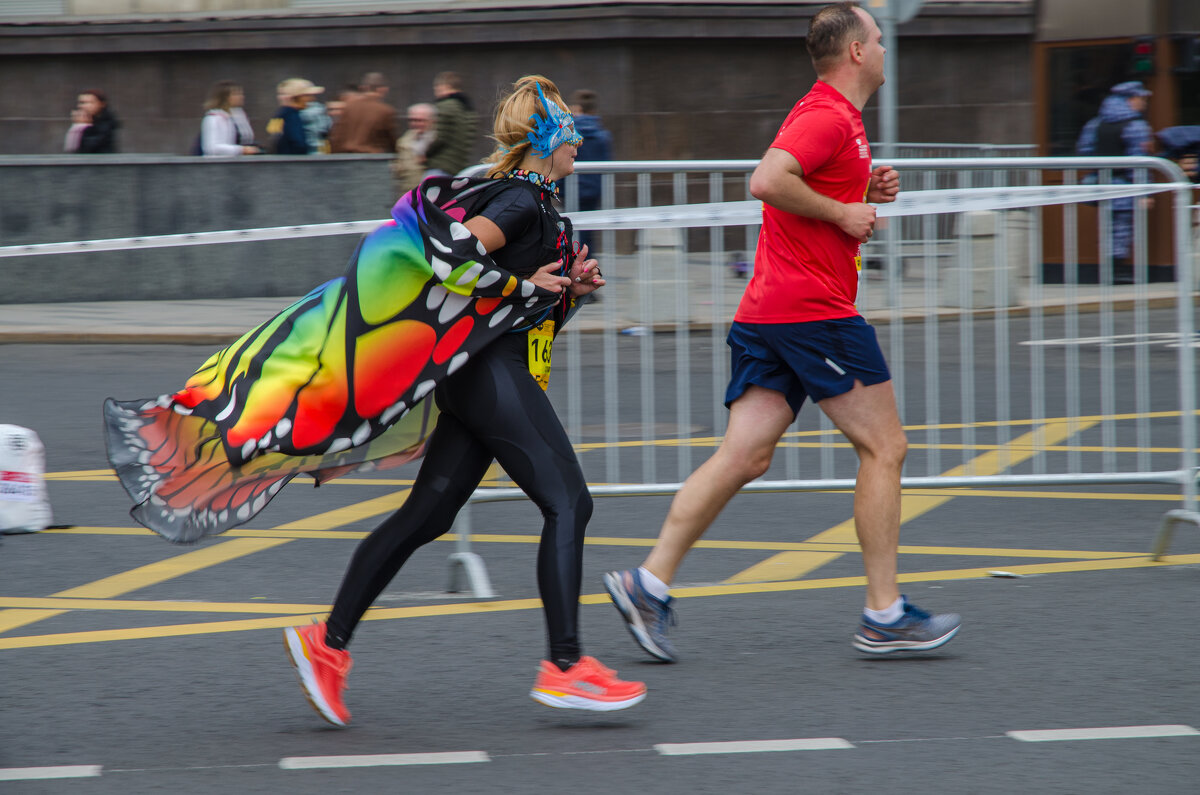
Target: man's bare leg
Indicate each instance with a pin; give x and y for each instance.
(757, 420)
(867, 416)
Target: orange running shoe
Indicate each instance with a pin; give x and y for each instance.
(585, 685)
(322, 670)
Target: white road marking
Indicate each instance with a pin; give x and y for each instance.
(383, 760)
(63, 771)
(1102, 733)
(752, 746)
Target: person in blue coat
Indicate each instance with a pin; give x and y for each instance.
(1119, 130)
(597, 145)
(286, 128)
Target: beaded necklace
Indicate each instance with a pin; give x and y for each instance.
(534, 177)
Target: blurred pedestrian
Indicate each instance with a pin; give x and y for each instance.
(597, 145)
(286, 127)
(1120, 130)
(493, 408)
(797, 335)
(94, 127)
(335, 107)
(225, 131)
(367, 124)
(450, 151)
(317, 124)
(409, 166)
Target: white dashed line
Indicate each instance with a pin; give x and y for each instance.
(663, 749)
(752, 746)
(383, 760)
(34, 773)
(1103, 733)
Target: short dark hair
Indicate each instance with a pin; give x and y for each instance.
(372, 81)
(585, 98)
(450, 80)
(831, 29)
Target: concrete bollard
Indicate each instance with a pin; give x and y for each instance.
(664, 248)
(983, 228)
(24, 507)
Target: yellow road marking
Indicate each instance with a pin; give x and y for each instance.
(794, 565)
(164, 606)
(933, 576)
(618, 541)
(712, 441)
(144, 576)
(469, 608)
(186, 563)
(351, 513)
(169, 569)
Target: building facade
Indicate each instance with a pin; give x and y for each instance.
(675, 80)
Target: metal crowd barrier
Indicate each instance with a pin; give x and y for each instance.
(1002, 378)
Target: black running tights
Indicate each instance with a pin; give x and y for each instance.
(492, 409)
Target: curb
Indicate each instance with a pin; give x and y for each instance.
(878, 317)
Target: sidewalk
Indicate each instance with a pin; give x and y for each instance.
(219, 321)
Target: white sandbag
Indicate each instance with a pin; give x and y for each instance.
(24, 507)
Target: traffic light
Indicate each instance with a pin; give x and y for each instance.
(1142, 63)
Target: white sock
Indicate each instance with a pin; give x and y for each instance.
(889, 615)
(656, 587)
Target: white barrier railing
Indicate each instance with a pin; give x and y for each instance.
(1069, 395)
(1051, 410)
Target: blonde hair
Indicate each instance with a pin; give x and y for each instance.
(512, 125)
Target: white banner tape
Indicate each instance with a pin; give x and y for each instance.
(739, 213)
(918, 202)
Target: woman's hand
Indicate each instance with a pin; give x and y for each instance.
(547, 277)
(584, 274)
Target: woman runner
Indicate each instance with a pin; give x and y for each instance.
(495, 408)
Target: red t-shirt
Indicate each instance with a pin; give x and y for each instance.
(805, 269)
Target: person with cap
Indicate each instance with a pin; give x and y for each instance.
(1119, 130)
(286, 127)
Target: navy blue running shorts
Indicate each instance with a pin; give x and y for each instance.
(817, 359)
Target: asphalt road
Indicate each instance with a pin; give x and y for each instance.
(160, 668)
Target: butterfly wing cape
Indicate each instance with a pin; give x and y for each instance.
(334, 383)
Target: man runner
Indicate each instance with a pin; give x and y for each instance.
(797, 334)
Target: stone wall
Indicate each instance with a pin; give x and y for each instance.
(54, 199)
(675, 81)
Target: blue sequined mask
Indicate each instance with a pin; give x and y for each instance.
(553, 130)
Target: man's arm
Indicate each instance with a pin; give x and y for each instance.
(779, 181)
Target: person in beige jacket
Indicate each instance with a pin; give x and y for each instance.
(409, 166)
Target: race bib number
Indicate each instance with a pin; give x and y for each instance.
(541, 341)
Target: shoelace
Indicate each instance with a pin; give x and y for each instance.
(912, 611)
(665, 617)
(598, 667)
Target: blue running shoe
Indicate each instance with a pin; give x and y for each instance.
(646, 616)
(916, 630)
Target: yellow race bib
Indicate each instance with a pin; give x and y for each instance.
(541, 341)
